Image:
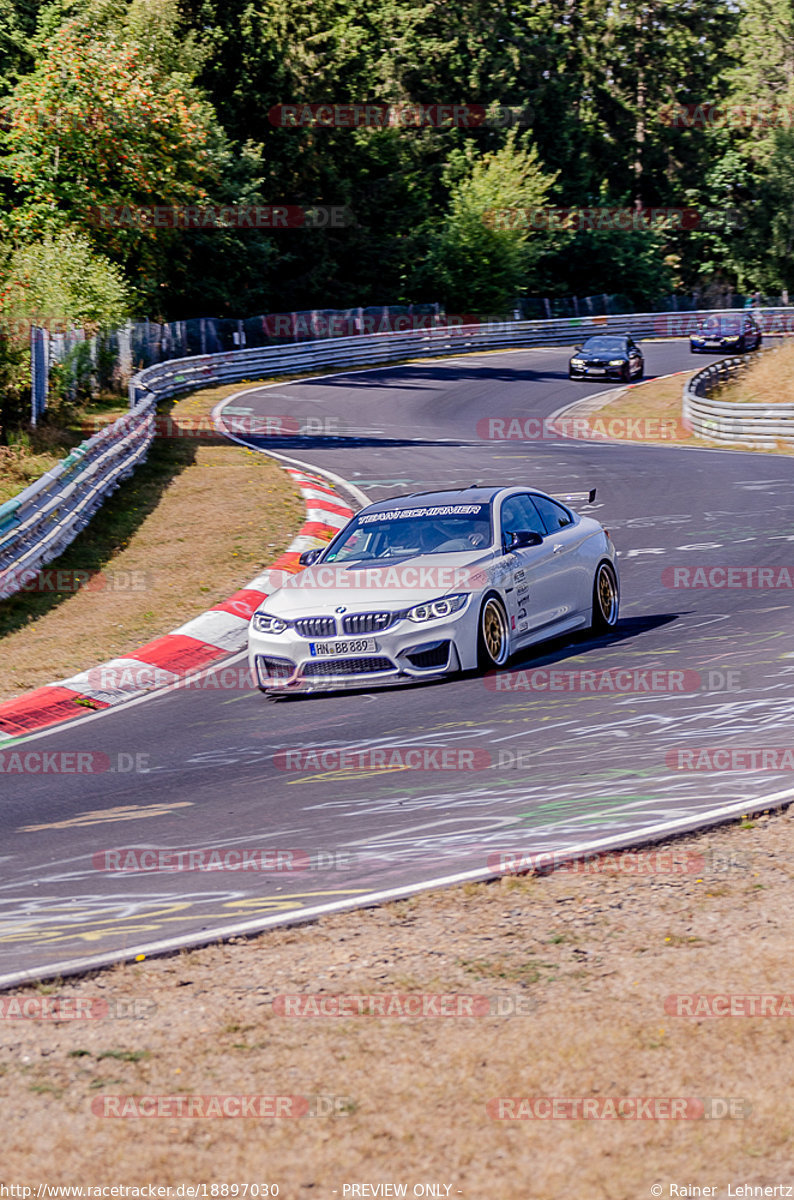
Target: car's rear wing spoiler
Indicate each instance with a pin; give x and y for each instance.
(578, 497)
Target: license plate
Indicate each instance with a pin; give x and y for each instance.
(596, 371)
(331, 649)
(713, 345)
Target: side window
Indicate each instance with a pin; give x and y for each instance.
(553, 514)
(355, 544)
(519, 513)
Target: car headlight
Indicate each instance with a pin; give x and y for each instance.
(577, 362)
(438, 608)
(616, 362)
(266, 623)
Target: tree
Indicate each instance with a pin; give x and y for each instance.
(482, 257)
(104, 131)
(17, 25)
(61, 282)
(655, 52)
(762, 78)
(92, 126)
(752, 148)
(169, 102)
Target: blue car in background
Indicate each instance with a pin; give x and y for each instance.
(735, 331)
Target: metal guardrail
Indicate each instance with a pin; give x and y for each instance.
(39, 523)
(758, 425)
(183, 374)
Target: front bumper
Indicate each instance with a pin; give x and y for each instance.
(712, 346)
(407, 651)
(603, 372)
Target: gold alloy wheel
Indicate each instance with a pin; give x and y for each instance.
(494, 632)
(607, 592)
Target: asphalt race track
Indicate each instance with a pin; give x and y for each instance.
(562, 767)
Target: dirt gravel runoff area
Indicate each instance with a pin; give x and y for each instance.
(768, 379)
(618, 1029)
(651, 412)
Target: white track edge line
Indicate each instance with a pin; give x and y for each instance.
(216, 416)
(370, 899)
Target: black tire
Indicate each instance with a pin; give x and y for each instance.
(606, 599)
(640, 374)
(493, 635)
(625, 373)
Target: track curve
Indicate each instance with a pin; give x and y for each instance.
(567, 768)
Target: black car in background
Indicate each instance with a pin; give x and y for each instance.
(734, 331)
(607, 356)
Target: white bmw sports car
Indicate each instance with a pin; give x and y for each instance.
(433, 583)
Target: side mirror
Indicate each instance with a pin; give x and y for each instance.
(309, 556)
(576, 348)
(523, 538)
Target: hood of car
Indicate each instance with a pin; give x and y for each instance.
(386, 583)
(602, 356)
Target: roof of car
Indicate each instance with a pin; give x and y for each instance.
(469, 495)
(608, 337)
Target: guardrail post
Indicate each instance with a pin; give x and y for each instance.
(39, 372)
(125, 350)
(34, 373)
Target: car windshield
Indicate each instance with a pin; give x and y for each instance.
(401, 533)
(605, 345)
(721, 325)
